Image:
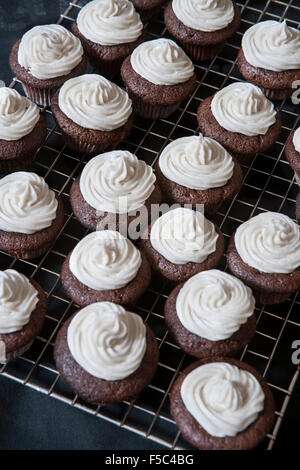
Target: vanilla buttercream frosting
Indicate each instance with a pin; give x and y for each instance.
(107, 341)
(204, 15)
(296, 139)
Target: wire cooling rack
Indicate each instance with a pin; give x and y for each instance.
(268, 185)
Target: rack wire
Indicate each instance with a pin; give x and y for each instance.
(268, 185)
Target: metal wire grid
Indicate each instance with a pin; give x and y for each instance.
(268, 185)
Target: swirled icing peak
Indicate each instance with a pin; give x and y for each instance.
(27, 204)
(183, 235)
(196, 162)
(107, 341)
(105, 260)
(272, 45)
(243, 108)
(116, 182)
(94, 102)
(204, 15)
(110, 22)
(18, 115)
(18, 299)
(222, 398)
(214, 304)
(162, 62)
(49, 51)
(269, 242)
(296, 139)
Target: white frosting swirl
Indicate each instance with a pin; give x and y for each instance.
(27, 204)
(184, 235)
(107, 341)
(110, 22)
(204, 15)
(105, 260)
(196, 162)
(272, 45)
(296, 139)
(18, 299)
(18, 115)
(243, 108)
(222, 398)
(269, 242)
(94, 102)
(116, 182)
(162, 62)
(49, 51)
(214, 304)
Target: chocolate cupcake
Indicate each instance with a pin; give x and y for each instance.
(22, 313)
(241, 118)
(22, 130)
(158, 76)
(105, 266)
(148, 8)
(106, 354)
(181, 243)
(211, 314)
(200, 27)
(198, 170)
(44, 59)
(269, 57)
(264, 253)
(31, 215)
(292, 152)
(114, 188)
(109, 30)
(222, 404)
(92, 113)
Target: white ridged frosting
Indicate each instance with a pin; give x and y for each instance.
(222, 398)
(204, 15)
(18, 299)
(18, 115)
(107, 341)
(184, 235)
(296, 139)
(214, 304)
(110, 22)
(94, 102)
(49, 51)
(272, 45)
(162, 62)
(105, 260)
(243, 108)
(27, 204)
(196, 162)
(269, 242)
(116, 182)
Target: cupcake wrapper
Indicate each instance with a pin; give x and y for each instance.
(17, 164)
(41, 96)
(199, 53)
(242, 157)
(78, 145)
(270, 298)
(105, 67)
(149, 111)
(277, 94)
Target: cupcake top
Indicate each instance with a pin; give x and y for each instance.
(222, 398)
(116, 182)
(18, 115)
(107, 341)
(94, 102)
(162, 62)
(272, 45)
(296, 139)
(196, 162)
(110, 22)
(269, 242)
(214, 304)
(184, 235)
(242, 107)
(105, 260)
(18, 299)
(204, 15)
(49, 51)
(27, 204)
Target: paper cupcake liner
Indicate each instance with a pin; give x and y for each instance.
(17, 164)
(242, 157)
(277, 94)
(270, 298)
(78, 145)
(201, 53)
(41, 96)
(149, 111)
(105, 67)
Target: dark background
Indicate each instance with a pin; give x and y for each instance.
(31, 420)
